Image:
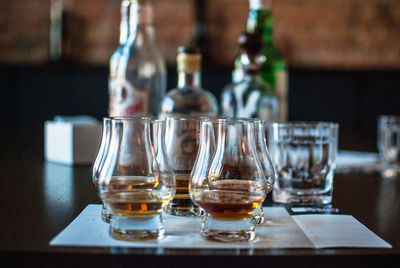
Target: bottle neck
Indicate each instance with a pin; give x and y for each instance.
(260, 4)
(140, 17)
(261, 21)
(252, 67)
(190, 79)
(124, 27)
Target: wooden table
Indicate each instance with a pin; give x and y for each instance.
(39, 199)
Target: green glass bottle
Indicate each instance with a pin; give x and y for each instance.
(273, 65)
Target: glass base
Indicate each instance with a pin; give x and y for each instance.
(136, 228)
(228, 231)
(286, 197)
(183, 207)
(106, 213)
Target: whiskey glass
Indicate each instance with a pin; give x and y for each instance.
(205, 153)
(98, 164)
(235, 184)
(182, 135)
(304, 154)
(158, 141)
(389, 145)
(266, 162)
(130, 181)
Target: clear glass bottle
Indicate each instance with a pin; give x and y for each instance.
(137, 70)
(273, 65)
(123, 37)
(189, 98)
(252, 96)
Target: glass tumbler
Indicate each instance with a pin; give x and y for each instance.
(304, 154)
(389, 145)
(98, 163)
(130, 181)
(182, 143)
(235, 184)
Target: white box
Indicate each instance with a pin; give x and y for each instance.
(72, 140)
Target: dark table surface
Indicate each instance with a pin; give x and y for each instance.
(39, 199)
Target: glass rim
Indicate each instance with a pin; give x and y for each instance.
(127, 118)
(388, 118)
(232, 119)
(305, 124)
(183, 118)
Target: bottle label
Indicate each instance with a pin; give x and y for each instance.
(126, 100)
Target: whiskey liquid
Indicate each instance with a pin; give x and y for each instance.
(182, 205)
(134, 203)
(135, 196)
(234, 185)
(182, 186)
(132, 182)
(230, 199)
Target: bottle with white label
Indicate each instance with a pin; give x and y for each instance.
(252, 96)
(273, 65)
(189, 99)
(137, 81)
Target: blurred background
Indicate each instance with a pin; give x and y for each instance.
(343, 56)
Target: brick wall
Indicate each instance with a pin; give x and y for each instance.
(343, 34)
(24, 30)
(339, 33)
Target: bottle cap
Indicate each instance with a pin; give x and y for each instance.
(260, 4)
(188, 59)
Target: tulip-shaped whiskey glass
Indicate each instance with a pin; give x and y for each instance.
(235, 184)
(266, 162)
(98, 164)
(158, 141)
(131, 183)
(182, 137)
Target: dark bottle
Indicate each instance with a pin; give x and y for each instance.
(273, 65)
(252, 96)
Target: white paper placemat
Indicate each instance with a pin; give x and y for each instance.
(279, 231)
(333, 231)
(355, 161)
